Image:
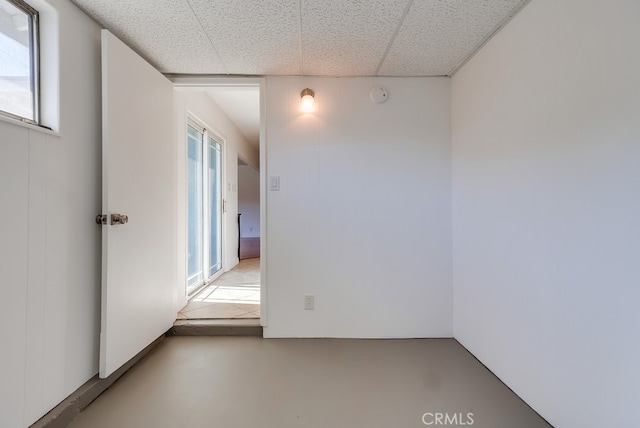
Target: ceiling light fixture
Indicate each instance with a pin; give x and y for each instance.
(308, 102)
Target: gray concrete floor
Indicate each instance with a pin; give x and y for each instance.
(247, 382)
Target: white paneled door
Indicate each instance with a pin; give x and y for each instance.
(139, 256)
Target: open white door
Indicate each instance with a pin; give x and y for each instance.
(138, 180)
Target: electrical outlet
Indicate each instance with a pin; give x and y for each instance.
(309, 302)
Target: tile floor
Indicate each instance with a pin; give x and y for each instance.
(240, 382)
(235, 294)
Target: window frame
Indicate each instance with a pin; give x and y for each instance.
(34, 49)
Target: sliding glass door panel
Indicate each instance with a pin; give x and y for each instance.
(195, 272)
(215, 206)
(205, 206)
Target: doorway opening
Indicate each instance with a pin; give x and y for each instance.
(233, 289)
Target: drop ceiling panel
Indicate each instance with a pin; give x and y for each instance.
(438, 35)
(253, 37)
(165, 32)
(347, 37)
(304, 37)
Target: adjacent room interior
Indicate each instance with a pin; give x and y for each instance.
(223, 284)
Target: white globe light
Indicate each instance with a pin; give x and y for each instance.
(307, 103)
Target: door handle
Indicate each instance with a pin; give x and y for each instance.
(119, 219)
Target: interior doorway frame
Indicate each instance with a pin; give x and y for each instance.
(195, 82)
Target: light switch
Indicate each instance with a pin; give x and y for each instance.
(274, 183)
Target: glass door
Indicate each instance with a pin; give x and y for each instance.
(195, 276)
(204, 206)
(215, 207)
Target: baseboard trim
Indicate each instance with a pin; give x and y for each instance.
(61, 415)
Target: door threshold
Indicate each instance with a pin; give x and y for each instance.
(216, 327)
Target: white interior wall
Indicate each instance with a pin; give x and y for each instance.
(49, 242)
(546, 204)
(362, 219)
(249, 201)
(199, 105)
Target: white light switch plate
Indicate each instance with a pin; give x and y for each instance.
(274, 183)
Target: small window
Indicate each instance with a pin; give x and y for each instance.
(19, 61)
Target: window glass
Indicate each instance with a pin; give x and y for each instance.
(18, 60)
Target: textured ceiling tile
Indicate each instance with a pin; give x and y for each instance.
(347, 37)
(253, 37)
(165, 32)
(438, 35)
(312, 37)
